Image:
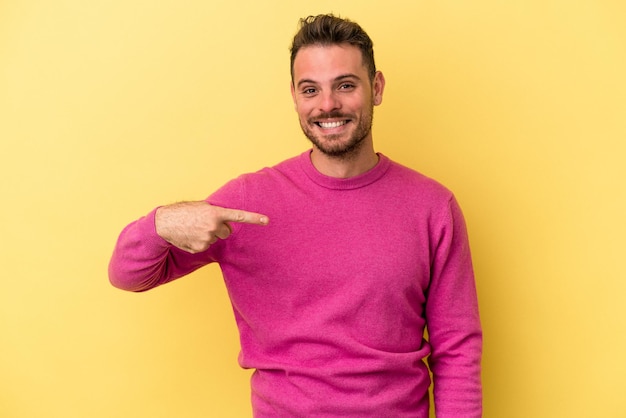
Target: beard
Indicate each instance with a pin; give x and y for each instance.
(333, 145)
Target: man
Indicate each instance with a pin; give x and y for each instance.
(332, 297)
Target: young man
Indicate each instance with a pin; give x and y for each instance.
(332, 297)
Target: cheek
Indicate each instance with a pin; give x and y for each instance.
(357, 104)
(303, 110)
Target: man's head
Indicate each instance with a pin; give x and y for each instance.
(335, 86)
(327, 30)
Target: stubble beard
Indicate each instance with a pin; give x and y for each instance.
(331, 145)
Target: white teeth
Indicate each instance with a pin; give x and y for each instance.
(329, 125)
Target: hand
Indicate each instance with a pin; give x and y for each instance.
(194, 226)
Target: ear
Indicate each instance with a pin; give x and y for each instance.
(378, 87)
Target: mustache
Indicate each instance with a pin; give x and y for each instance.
(331, 115)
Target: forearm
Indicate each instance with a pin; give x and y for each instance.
(455, 336)
(456, 373)
(143, 260)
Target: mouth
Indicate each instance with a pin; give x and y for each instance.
(331, 125)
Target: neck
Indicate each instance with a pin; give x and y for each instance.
(345, 166)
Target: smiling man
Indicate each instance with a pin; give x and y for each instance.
(334, 93)
(332, 298)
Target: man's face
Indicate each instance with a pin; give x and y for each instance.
(334, 97)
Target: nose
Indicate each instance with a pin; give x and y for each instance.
(329, 102)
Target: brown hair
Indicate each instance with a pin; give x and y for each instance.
(330, 30)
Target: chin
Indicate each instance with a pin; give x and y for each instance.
(341, 151)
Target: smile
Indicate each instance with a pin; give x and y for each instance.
(330, 125)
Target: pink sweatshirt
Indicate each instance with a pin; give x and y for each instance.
(333, 296)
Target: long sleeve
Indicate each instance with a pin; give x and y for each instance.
(453, 322)
(331, 310)
(142, 260)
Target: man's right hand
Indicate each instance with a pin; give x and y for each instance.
(194, 226)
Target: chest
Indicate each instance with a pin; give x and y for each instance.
(315, 249)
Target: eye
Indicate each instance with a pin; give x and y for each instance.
(309, 91)
(346, 86)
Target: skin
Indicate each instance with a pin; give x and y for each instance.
(334, 99)
(194, 226)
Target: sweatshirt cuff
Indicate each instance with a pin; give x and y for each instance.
(147, 229)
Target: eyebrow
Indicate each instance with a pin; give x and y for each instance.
(338, 78)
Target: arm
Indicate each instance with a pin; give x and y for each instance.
(453, 322)
(170, 242)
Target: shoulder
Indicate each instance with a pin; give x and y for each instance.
(417, 183)
(423, 196)
(262, 182)
(271, 176)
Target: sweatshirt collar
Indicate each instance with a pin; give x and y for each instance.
(349, 183)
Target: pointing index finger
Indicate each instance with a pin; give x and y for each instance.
(242, 216)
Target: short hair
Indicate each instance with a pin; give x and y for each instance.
(327, 29)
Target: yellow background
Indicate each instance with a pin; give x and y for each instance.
(108, 109)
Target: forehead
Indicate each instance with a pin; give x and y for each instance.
(318, 62)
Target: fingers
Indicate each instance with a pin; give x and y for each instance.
(194, 226)
(242, 216)
(225, 215)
